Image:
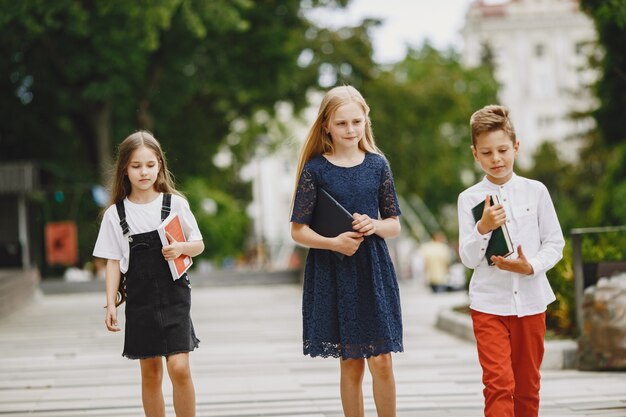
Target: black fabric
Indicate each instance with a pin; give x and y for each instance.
(122, 215)
(158, 320)
(165, 207)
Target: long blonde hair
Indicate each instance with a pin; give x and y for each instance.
(120, 184)
(319, 142)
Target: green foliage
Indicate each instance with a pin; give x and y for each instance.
(79, 76)
(607, 143)
(225, 230)
(610, 22)
(606, 246)
(91, 73)
(561, 314)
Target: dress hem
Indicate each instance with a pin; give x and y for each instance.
(158, 355)
(338, 352)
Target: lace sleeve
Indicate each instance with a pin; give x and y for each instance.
(304, 201)
(387, 199)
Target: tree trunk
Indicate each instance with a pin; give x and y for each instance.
(101, 122)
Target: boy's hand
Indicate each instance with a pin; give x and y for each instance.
(519, 265)
(493, 217)
(173, 250)
(348, 243)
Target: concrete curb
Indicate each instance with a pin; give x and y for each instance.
(559, 354)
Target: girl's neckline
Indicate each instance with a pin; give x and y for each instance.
(147, 202)
(351, 166)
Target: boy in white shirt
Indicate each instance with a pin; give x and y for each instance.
(508, 299)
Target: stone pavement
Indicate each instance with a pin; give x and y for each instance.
(58, 360)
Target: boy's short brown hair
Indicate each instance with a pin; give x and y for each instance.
(491, 118)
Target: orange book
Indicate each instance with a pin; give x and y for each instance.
(172, 225)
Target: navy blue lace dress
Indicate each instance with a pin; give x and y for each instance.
(350, 307)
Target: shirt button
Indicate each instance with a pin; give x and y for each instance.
(505, 199)
(482, 249)
(515, 292)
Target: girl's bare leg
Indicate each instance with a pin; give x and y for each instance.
(352, 371)
(151, 387)
(182, 385)
(384, 384)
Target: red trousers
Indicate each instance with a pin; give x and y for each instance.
(510, 351)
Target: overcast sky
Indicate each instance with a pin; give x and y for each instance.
(405, 22)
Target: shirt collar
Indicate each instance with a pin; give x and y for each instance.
(493, 186)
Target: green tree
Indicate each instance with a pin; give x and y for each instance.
(79, 76)
(610, 140)
(224, 225)
(91, 72)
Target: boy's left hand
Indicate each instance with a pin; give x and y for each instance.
(519, 265)
(173, 250)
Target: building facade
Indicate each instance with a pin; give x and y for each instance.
(539, 49)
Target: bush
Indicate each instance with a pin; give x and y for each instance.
(222, 220)
(561, 314)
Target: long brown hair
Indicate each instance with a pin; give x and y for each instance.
(120, 184)
(319, 142)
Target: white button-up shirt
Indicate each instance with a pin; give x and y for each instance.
(533, 224)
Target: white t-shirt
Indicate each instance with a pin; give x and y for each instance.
(141, 218)
(533, 224)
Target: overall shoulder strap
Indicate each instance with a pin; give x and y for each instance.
(165, 207)
(122, 214)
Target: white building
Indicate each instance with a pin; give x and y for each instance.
(539, 48)
(273, 182)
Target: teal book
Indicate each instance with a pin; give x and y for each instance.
(500, 243)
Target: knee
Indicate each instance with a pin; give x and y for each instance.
(152, 373)
(352, 369)
(500, 384)
(381, 366)
(178, 370)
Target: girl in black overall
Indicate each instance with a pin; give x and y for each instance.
(158, 320)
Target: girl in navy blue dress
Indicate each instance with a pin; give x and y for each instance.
(350, 306)
(158, 321)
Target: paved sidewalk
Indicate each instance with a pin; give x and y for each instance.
(58, 360)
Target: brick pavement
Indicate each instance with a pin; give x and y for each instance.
(58, 360)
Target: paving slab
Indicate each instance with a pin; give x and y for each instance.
(58, 360)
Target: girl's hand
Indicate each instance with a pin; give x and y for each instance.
(493, 217)
(519, 265)
(111, 319)
(348, 243)
(173, 250)
(364, 224)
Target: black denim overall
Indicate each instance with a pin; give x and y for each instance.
(158, 320)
